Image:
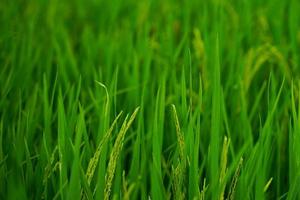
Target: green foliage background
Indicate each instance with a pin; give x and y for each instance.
(215, 84)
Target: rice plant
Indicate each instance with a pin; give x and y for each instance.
(150, 99)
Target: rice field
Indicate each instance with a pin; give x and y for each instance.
(150, 99)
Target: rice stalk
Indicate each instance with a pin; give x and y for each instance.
(95, 159)
(127, 189)
(49, 167)
(180, 138)
(223, 166)
(203, 191)
(179, 171)
(233, 184)
(257, 57)
(116, 150)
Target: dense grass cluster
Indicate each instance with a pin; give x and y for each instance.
(149, 99)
